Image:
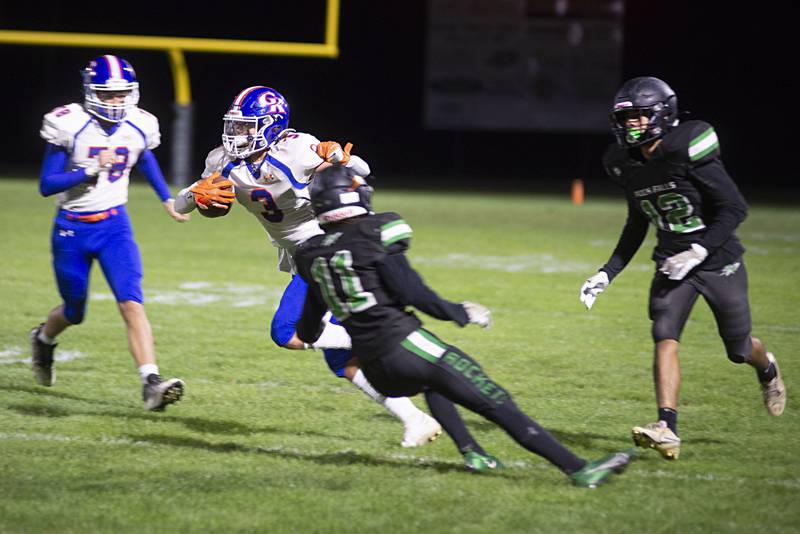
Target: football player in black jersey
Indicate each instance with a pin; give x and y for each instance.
(674, 179)
(359, 271)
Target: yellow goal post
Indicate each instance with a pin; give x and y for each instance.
(175, 48)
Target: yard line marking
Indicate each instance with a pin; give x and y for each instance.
(13, 355)
(202, 293)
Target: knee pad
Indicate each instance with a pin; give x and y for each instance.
(74, 311)
(739, 350)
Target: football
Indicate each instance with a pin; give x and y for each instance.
(212, 211)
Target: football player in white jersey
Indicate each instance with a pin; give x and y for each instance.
(91, 149)
(267, 166)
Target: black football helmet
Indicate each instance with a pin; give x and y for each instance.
(337, 193)
(643, 96)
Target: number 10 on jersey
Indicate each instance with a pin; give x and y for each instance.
(351, 296)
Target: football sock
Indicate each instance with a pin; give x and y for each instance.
(533, 437)
(669, 416)
(767, 374)
(147, 370)
(44, 339)
(400, 407)
(444, 411)
(361, 382)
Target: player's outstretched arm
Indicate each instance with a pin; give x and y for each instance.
(408, 286)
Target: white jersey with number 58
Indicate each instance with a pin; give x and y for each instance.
(72, 128)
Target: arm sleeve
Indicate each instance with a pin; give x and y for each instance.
(184, 201)
(148, 165)
(310, 325)
(398, 275)
(53, 178)
(358, 166)
(629, 242)
(716, 184)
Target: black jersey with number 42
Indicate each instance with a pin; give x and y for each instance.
(359, 272)
(684, 191)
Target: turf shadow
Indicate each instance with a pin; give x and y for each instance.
(347, 457)
(42, 390)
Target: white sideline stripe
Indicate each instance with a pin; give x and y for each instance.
(425, 345)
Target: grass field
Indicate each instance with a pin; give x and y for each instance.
(267, 440)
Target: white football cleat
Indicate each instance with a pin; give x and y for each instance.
(658, 436)
(774, 391)
(422, 431)
(158, 393)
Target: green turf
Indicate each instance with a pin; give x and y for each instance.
(266, 440)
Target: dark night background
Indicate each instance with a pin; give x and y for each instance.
(730, 65)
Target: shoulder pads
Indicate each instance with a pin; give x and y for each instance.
(691, 142)
(394, 233)
(60, 125)
(147, 124)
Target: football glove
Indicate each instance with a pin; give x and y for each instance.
(478, 314)
(678, 266)
(213, 191)
(332, 152)
(592, 287)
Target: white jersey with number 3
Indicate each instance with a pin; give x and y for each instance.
(276, 190)
(80, 133)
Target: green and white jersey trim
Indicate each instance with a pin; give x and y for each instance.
(395, 231)
(424, 345)
(703, 144)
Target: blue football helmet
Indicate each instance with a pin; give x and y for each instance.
(105, 79)
(255, 119)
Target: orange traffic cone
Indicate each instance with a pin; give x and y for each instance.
(577, 192)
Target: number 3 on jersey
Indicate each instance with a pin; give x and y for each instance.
(271, 212)
(355, 298)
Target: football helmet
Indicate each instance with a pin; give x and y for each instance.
(648, 97)
(337, 193)
(254, 120)
(109, 74)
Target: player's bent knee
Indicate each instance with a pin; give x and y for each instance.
(739, 350)
(74, 312)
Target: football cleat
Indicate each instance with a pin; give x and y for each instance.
(774, 391)
(596, 472)
(658, 436)
(157, 394)
(42, 359)
(476, 462)
(424, 431)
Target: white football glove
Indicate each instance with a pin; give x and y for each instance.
(478, 314)
(678, 266)
(592, 287)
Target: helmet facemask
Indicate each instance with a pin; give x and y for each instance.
(97, 103)
(641, 132)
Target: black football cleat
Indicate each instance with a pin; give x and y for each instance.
(157, 394)
(42, 359)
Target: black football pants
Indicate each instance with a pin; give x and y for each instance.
(724, 289)
(447, 375)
